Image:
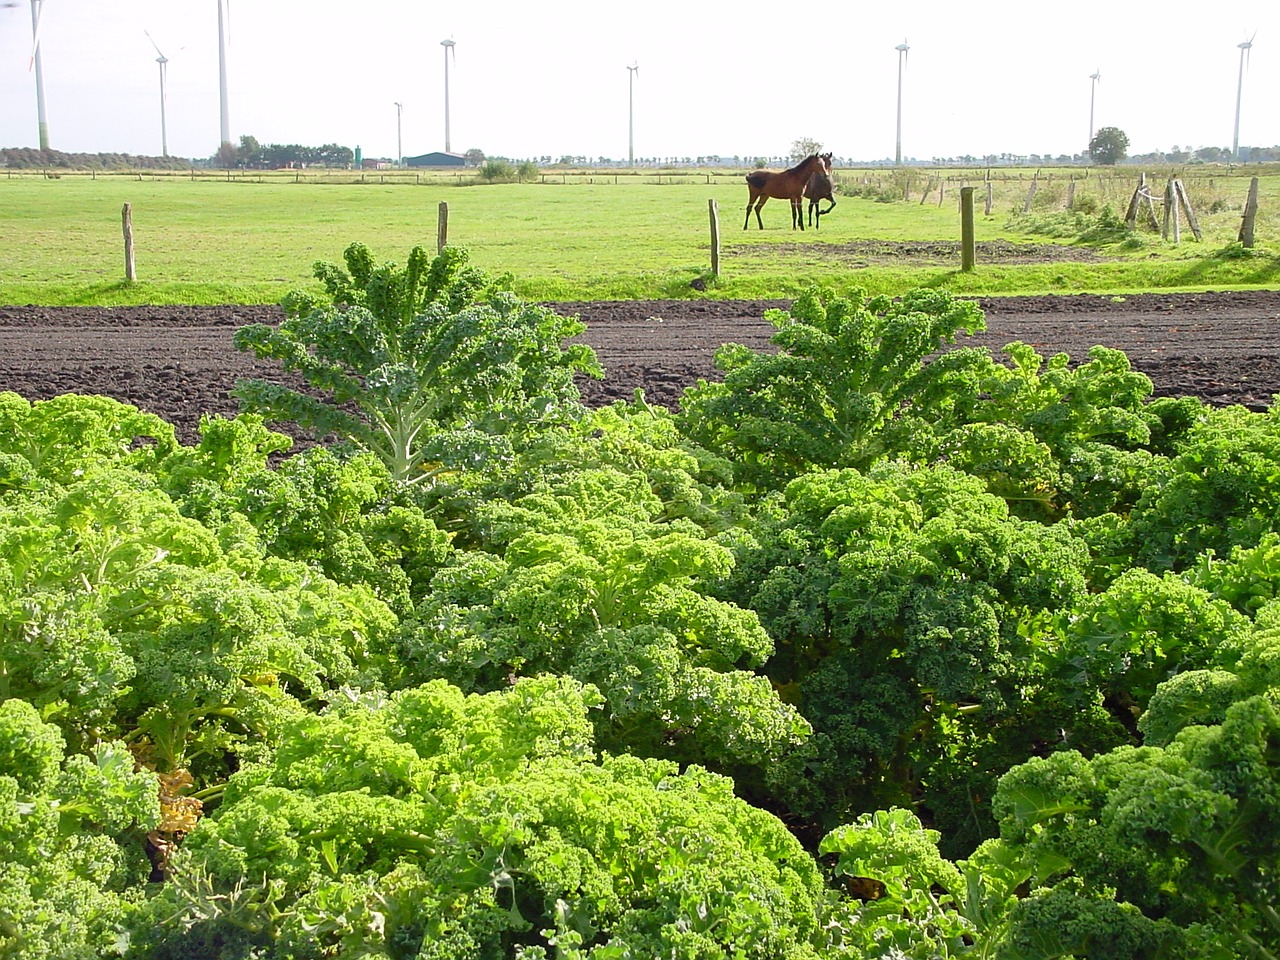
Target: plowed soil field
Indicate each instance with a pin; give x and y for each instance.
(179, 362)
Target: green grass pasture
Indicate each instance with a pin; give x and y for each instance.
(250, 238)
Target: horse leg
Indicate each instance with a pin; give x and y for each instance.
(759, 204)
(797, 214)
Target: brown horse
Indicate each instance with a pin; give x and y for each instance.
(787, 185)
(820, 187)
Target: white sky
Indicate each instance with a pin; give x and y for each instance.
(533, 79)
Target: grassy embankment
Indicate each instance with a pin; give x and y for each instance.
(591, 235)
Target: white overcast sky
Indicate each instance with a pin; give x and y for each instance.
(550, 78)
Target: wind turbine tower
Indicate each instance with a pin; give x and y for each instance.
(448, 49)
(164, 132)
(42, 118)
(223, 113)
(1244, 56)
(399, 142)
(902, 49)
(632, 71)
(1093, 93)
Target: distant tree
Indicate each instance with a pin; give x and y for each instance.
(334, 155)
(474, 157)
(804, 147)
(1109, 146)
(1212, 154)
(528, 170)
(226, 157)
(249, 153)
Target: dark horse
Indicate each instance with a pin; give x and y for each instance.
(820, 187)
(787, 185)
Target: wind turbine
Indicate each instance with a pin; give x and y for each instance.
(902, 49)
(224, 113)
(1093, 93)
(399, 147)
(164, 130)
(1244, 56)
(448, 49)
(42, 119)
(632, 72)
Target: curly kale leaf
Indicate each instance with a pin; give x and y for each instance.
(1142, 630)
(67, 436)
(1222, 491)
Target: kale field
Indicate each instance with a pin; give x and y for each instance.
(898, 627)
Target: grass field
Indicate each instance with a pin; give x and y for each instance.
(250, 238)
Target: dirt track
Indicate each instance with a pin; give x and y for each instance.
(179, 362)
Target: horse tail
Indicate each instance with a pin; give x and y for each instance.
(757, 178)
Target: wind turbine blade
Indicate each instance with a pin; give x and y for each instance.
(154, 44)
(35, 35)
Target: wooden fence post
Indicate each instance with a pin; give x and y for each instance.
(442, 227)
(1181, 191)
(1171, 214)
(967, 245)
(1250, 215)
(126, 219)
(1031, 193)
(1131, 215)
(1071, 194)
(713, 210)
(990, 196)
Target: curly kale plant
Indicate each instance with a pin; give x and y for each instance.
(1221, 491)
(587, 582)
(72, 848)
(435, 824)
(847, 383)
(909, 610)
(404, 363)
(1162, 851)
(122, 618)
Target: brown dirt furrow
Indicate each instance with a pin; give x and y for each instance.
(179, 362)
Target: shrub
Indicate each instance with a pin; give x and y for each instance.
(497, 171)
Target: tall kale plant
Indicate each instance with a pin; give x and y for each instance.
(424, 365)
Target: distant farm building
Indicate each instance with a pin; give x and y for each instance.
(437, 159)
